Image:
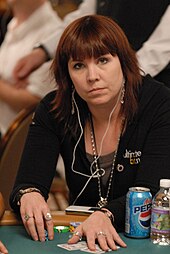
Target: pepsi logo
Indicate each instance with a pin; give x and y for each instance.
(145, 219)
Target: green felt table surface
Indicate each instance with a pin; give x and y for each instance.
(18, 242)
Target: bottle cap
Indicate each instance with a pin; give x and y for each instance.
(165, 183)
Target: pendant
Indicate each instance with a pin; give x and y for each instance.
(120, 168)
(102, 202)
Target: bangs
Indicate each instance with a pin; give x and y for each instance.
(87, 49)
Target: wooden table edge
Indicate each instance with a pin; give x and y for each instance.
(59, 218)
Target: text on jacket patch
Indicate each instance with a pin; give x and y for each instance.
(134, 157)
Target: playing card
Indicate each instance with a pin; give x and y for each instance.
(97, 251)
(76, 246)
(68, 246)
(81, 246)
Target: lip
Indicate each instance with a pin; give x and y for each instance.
(97, 89)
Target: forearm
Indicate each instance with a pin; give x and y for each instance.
(34, 172)
(17, 99)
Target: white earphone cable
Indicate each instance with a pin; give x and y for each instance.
(93, 174)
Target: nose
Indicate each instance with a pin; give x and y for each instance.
(92, 73)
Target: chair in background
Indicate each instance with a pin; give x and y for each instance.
(58, 196)
(11, 146)
(2, 205)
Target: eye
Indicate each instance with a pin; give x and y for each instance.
(78, 66)
(103, 60)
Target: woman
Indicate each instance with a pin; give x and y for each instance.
(111, 126)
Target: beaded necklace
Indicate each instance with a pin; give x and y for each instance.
(100, 171)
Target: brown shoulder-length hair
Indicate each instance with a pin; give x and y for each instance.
(94, 36)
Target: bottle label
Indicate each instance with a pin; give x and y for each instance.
(160, 221)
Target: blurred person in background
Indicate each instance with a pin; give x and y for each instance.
(32, 21)
(145, 23)
(154, 55)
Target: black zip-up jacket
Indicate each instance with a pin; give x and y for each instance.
(143, 153)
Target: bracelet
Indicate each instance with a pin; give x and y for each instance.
(21, 192)
(107, 213)
(41, 46)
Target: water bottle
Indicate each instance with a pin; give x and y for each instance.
(160, 215)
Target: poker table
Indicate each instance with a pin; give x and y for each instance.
(14, 236)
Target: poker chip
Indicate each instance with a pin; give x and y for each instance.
(61, 229)
(46, 235)
(73, 225)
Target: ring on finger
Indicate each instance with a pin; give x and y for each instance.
(48, 216)
(101, 233)
(27, 217)
(77, 233)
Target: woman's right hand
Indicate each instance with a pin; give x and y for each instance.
(3, 249)
(97, 227)
(36, 216)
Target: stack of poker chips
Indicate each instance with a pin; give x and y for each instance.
(64, 229)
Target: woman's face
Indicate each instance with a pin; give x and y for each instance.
(97, 81)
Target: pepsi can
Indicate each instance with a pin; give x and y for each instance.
(138, 212)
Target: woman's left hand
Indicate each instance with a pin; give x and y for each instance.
(98, 227)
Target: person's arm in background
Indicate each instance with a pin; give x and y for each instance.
(155, 52)
(46, 49)
(37, 85)
(19, 98)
